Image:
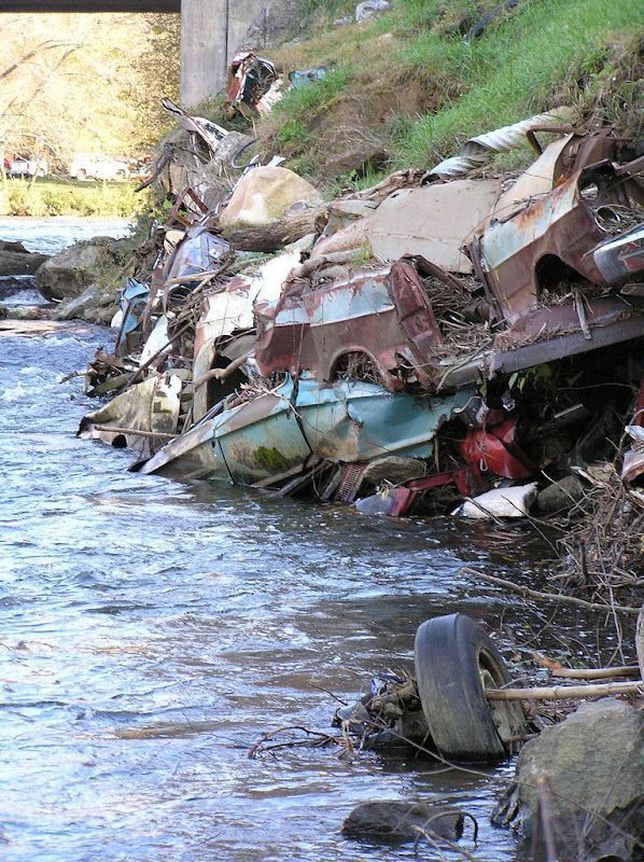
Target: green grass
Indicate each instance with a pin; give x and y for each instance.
(540, 55)
(314, 98)
(292, 134)
(516, 69)
(290, 127)
(48, 197)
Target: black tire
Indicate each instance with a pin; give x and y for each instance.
(234, 160)
(455, 660)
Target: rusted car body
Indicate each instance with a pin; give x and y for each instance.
(551, 240)
(619, 258)
(540, 265)
(382, 313)
(197, 252)
(274, 435)
(318, 374)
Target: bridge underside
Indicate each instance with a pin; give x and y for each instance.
(91, 6)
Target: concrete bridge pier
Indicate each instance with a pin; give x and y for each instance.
(211, 31)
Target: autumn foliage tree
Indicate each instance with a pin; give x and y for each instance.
(74, 83)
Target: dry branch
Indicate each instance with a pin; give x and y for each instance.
(273, 237)
(527, 593)
(312, 737)
(565, 692)
(595, 672)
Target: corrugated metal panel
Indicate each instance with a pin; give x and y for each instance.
(477, 151)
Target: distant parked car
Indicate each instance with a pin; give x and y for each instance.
(23, 167)
(99, 167)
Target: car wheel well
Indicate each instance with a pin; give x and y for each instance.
(357, 364)
(553, 276)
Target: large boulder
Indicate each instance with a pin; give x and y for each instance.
(583, 782)
(265, 195)
(16, 260)
(27, 312)
(68, 273)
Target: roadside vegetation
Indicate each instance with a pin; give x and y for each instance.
(405, 88)
(49, 197)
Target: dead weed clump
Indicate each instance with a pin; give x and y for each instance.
(604, 550)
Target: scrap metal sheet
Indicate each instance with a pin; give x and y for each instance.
(433, 221)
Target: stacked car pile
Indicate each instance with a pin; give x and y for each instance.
(435, 343)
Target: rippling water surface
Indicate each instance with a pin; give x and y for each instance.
(150, 632)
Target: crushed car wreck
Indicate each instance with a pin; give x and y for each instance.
(410, 368)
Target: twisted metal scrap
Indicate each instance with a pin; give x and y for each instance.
(477, 151)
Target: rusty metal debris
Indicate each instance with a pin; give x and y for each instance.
(469, 342)
(253, 85)
(553, 240)
(434, 221)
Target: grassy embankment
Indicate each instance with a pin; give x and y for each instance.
(409, 84)
(51, 197)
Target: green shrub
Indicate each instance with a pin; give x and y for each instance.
(53, 198)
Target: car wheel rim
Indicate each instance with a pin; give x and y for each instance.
(501, 711)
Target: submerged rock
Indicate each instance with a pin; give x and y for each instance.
(560, 495)
(93, 304)
(12, 245)
(590, 771)
(28, 312)
(394, 821)
(16, 260)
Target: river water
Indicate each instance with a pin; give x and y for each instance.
(150, 632)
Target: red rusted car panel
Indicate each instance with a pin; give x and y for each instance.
(382, 314)
(517, 256)
(556, 321)
(495, 450)
(468, 482)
